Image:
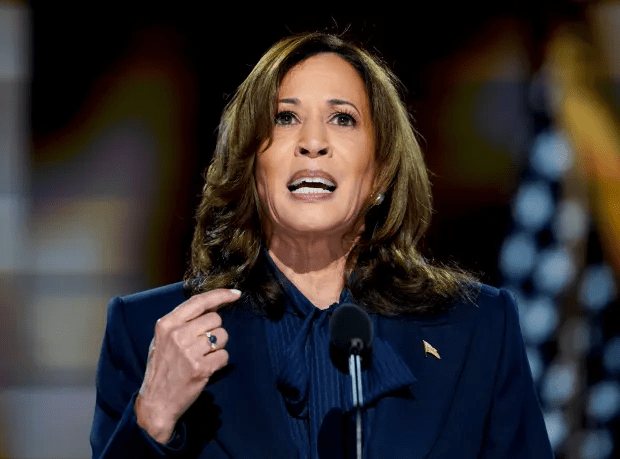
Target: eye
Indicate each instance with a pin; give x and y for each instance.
(344, 119)
(285, 118)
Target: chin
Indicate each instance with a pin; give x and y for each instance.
(319, 227)
(312, 221)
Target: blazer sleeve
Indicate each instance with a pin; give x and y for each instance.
(115, 432)
(516, 428)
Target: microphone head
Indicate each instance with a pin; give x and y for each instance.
(350, 329)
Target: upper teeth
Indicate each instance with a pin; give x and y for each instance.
(325, 182)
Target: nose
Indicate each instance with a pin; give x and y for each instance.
(313, 141)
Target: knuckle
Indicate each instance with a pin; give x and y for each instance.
(208, 371)
(215, 361)
(162, 325)
(223, 356)
(176, 337)
(197, 368)
(216, 319)
(205, 370)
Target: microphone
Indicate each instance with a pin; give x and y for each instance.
(350, 329)
(351, 333)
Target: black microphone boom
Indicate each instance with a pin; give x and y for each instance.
(350, 329)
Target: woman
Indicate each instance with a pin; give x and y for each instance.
(317, 195)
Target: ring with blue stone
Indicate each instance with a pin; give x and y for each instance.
(212, 339)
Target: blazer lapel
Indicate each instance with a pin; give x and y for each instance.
(407, 425)
(252, 417)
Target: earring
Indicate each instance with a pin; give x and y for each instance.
(379, 199)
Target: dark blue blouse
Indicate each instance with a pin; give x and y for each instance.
(317, 397)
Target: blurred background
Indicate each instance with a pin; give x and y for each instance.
(108, 117)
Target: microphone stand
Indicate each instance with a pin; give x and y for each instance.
(355, 370)
(351, 334)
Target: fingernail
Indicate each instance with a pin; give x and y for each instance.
(234, 290)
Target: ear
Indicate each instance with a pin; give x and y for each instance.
(379, 188)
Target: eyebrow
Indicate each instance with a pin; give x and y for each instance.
(295, 101)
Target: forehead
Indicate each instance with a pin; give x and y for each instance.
(325, 73)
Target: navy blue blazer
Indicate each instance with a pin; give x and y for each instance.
(476, 401)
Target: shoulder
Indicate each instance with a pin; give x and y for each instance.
(481, 324)
(486, 315)
(157, 297)
(486, 324)
(491, 314)
(497, 306)
(494, 303)
(135, 315)
(485, 304)
(489, 296)
(147, 306)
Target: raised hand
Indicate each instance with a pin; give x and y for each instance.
(181, 360)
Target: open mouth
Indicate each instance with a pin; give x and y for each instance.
(311, 185)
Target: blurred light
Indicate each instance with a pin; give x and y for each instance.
(533, 205)
(611, 355)
(540, 320)
(597, 287)
(13, 217)
(65, 330)
(559, 384)
(604, 401)
(557, 428)
(46, 422)
(571, 222)
(554, 271)
(581, 336)
(576, 336)
(536, 363)
(14, 30)
(517, 256)
(536, 92)
(72, 248)
(551, 155)
(597, 444)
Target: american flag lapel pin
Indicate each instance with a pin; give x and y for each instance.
(428, 349)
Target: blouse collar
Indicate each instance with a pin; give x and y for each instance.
(386, 373)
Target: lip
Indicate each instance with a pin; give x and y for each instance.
(311, 173)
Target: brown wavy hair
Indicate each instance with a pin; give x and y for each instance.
(385, 271)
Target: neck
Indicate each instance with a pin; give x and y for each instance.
(315, 266)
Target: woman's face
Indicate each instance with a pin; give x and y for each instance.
(314, 177)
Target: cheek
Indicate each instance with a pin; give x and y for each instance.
(367, 168)
(260, 176)
(266, 175)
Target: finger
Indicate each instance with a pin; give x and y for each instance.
(188, 333)
(203, 344)
(206, 322)
(215, 361)
(199, 304)
(214, 339)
